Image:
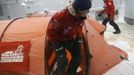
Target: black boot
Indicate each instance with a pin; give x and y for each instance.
(117, 32)
(117, 29)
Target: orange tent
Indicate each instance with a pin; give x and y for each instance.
(104, 56)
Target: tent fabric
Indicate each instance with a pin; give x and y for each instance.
(101, 51)
(34, 30)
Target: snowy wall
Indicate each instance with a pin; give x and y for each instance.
(129, 11)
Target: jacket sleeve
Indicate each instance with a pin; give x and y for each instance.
(55, 25)
(79, 35)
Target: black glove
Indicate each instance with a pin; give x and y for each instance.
(79, 40)
(99, 15)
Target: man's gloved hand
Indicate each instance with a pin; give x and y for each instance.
(99, 15)
(79, 40)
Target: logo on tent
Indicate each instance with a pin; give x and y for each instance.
(13, 56)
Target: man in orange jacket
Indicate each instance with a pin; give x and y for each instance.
(64, 32)
(109, 10)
